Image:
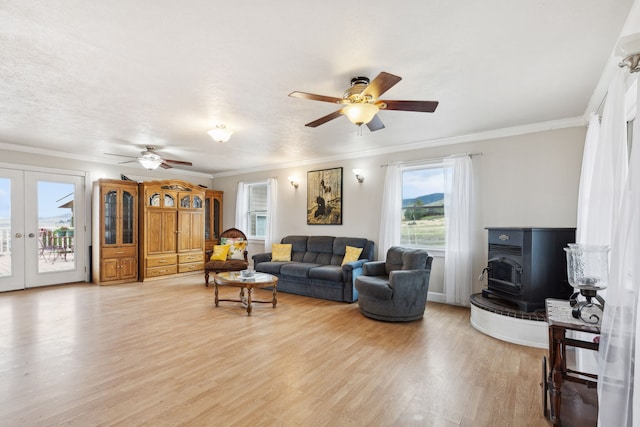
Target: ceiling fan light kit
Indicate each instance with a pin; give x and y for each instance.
(220, 133)
(360, 114)
(361, 103)
(150, 161)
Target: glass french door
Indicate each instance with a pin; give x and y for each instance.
(41, 229)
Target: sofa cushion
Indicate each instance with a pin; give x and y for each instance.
(281, 252)
(297, 269)
(332, 273)
(270, 267)
(375, 287)
(322, 244)
(298, 246)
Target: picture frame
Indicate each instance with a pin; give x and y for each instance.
(324, 197)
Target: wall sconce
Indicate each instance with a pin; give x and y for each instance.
(293, 181)
(358, 175)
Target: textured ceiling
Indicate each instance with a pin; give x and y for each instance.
(89, 78)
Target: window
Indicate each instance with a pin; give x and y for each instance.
(257, 213)
(423, 221)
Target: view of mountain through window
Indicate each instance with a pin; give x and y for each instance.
(423, 222)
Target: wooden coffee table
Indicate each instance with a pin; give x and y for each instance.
(234, 278)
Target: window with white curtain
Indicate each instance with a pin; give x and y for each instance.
(257, 210)
(423, 219)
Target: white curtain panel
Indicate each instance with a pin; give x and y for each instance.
(458, 193)
(603, 181)
(241, 207)
(272, 205)
(586, 176)
(391, 215)
(604, 169)
(618, 401)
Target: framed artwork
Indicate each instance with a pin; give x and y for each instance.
(324, 197)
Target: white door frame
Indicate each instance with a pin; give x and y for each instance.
(17, 278)
(28, 263)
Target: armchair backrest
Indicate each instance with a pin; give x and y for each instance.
(399, 258)
(233, 233)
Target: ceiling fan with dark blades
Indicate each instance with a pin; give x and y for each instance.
(150, 159)
(361, 103)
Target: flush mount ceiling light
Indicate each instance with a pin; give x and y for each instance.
(220, 133)
(150, 161)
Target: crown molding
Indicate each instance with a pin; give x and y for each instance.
(83, 158)
(570, 122)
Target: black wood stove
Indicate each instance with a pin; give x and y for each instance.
(528, 265)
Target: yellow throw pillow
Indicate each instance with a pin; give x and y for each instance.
(236, 250)
(220, 252)
(351, 254)
(281, 252)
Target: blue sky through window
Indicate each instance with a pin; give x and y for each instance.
(421, 182)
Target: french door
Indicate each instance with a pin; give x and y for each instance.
(42, 229)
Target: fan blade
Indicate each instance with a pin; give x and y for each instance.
(375, 124)
(128, 161)
(325, 119)
(421, 106)
(165, 165)
(314, 97)
(382, 83)
(178, 162)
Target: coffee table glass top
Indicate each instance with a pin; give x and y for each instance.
(235, 276)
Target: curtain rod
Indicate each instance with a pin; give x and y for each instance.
(432, 159)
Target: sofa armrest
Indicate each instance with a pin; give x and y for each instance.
(258, 258)
(350, 266)
(350, 272)
(374, 268)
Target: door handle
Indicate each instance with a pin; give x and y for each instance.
(18, 235)
(32, 235)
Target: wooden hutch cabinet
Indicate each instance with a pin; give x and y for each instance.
(172, 228)
(212, 218)
(115, 237)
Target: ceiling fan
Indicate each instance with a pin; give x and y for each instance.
(361, 103)
(150, 159)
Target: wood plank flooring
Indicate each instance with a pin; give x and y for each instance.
(160, 354)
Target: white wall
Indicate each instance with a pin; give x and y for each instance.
(527, 180)
(520, 181)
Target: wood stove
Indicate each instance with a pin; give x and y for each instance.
(528, 265)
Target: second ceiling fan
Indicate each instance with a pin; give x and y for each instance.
(361, 103)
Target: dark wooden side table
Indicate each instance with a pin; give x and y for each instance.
(572, 394)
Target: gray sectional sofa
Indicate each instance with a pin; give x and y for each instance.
(315, 270)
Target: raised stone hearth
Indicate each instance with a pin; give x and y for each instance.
(504, 321)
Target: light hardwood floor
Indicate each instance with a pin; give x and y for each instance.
(159, 353)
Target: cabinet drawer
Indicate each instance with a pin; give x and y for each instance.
(161, 260)
(128, 251)
(161, 271)
(195, 257)
(194, 266)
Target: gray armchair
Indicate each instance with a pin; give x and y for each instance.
(396, 289)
